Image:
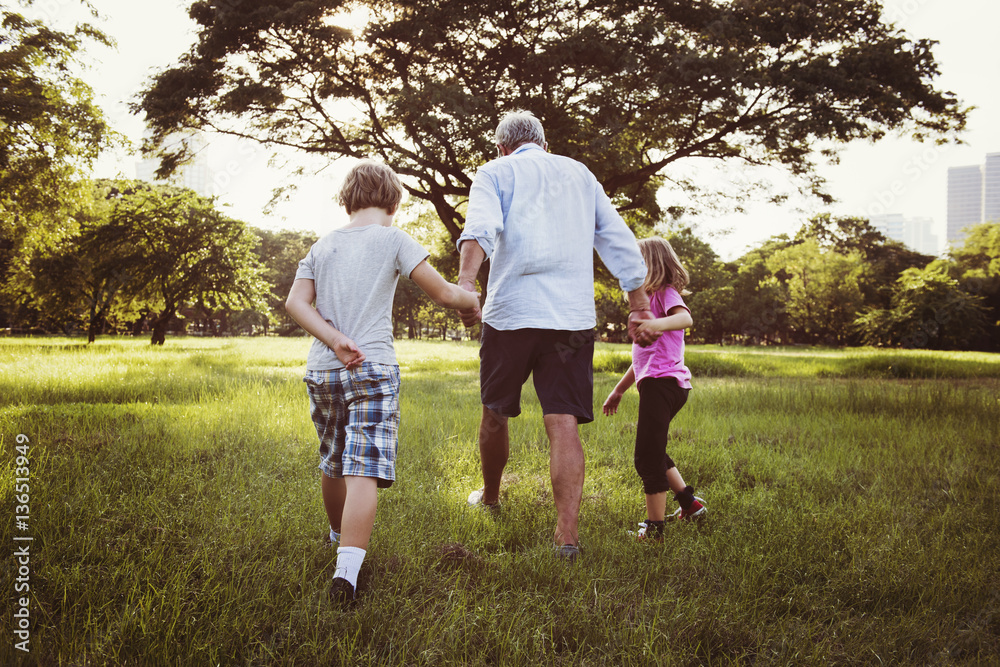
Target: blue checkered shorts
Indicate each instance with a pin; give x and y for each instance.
(356, 414)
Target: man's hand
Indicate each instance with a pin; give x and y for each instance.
(611, 403)
(644, 337)
(348, 353)
(473, 315)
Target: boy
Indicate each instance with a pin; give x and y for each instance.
(351, 371)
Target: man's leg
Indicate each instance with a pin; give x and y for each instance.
(566, 469)
(494, 450)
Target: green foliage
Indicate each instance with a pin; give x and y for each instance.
(824, 290)
(176, 516)
(50, 132)
(711, 286)
(977, 267)
(279, 252)
(627, 88)
(885, 259)
(144, 250)
(929, 309)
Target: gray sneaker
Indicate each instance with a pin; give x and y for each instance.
(569, 552)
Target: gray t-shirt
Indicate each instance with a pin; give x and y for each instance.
(355, 271)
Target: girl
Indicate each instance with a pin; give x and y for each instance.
(663, 382)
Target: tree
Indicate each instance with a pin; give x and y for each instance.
(184, 249)
(885, 258)
(824, 291)
(711, 286)
(629, 88)
(279, 252)
(759, 302)
(929, 310)
(80, 278)
(977, 268)
(50, 132)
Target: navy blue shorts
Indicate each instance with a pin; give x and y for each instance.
(561, 364)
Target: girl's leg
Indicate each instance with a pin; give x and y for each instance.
(677, 484)
(659, 400)
(656, 506)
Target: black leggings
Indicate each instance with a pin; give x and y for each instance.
(659, 400)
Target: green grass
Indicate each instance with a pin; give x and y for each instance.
(175, 510)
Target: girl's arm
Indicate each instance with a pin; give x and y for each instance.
(299, 306)
(441, 291)
(615, 397)
(677, 318)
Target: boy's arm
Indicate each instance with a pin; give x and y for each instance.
(677, 318)
(614, 398)
(441, 291)
(299, 306)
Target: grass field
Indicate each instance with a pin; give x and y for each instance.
(176, 518)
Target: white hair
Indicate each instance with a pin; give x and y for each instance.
(519, 127)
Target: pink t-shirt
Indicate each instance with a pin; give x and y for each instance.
(665, 357)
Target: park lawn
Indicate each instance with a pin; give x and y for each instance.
(176, 519)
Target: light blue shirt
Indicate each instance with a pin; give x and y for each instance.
(539, 217)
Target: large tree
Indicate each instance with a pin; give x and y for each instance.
(50, 132)
(628, 87)
(184, 251)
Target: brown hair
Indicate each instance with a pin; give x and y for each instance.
(370, 184)
(663, 268)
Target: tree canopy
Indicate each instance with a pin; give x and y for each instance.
(50, 129)
(627, 87)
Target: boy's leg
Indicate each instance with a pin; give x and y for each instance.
(358, 516)
(334, 492)
(357, 521)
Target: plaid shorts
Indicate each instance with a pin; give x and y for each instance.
(356, 414)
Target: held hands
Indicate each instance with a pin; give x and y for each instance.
(640, 330)
(348, 352)
(470, 316)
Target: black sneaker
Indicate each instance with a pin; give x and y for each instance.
(341, 591)
(648, 532)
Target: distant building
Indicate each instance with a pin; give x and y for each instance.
(965, 200)
(973, 196)
(195, 175)
(915, 233)
(991, 188)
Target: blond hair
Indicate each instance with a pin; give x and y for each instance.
(663, 267)
(371, 184)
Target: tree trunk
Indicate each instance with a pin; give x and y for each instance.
(159, 327)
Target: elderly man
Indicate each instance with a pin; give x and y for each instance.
(538, 218)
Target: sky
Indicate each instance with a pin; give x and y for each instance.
(894, 175)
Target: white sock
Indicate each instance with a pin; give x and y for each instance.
(349, 560)
(334, 536)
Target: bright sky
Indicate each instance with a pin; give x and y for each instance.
(896, 175)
